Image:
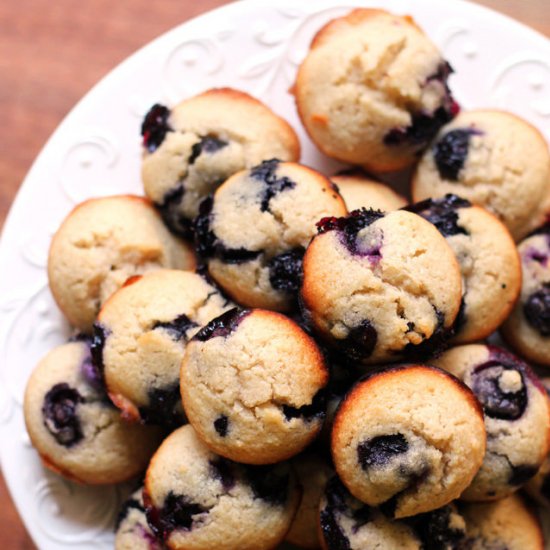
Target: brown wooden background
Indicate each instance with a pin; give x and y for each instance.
(52, 52)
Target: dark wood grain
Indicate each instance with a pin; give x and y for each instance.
(51, 53)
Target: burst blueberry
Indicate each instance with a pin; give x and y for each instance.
(155, 126)
(59, 411)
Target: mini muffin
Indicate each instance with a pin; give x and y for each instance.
(103, 242)
(493, 159)
(528, 327)
(347, 523)
(197, 500)
(74, 427)
(140, 338)
(489, 263)
(373, 90)
(360, 191)
(517, 416)
(251, 384)
(313, 473)
(380, 286)
(191, 149)
(409, 439)
(256, 229)
(504, 524)
(132, 530)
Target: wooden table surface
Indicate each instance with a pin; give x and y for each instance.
(51, 53)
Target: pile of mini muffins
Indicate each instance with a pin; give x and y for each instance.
(288, 356)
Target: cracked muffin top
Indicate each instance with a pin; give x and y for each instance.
(140, 337)
(252, 386)
(372, 91)
(381, 286)
(197, 500)
(75, 428)
(100, 244)
(255, 231)
(190, 150)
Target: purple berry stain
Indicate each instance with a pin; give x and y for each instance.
(59, 411)
(316, 409)
(208, 145)
(155, 127)
(178, 328)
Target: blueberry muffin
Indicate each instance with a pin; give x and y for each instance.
(347, 523)
(408, 439)
(191, 149)
(527, 329)
(380, 286)
(517, 416)
(489, 263)
(493, 159)
(360, 191)
(132, 530)
(251, 384)
(506, 524)
(99, 245)
(373, 90)
(313, 473)
(140, 337)
(197, 500)
(256, 229)
(74, 427)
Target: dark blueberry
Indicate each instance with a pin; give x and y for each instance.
(442, 213)
(222, 470)
(316, 409)
(178, 328)
(537, 310)
(207, 144)
(335, 538)
(380, 450)
(223, 325)
(99, 337)
(130, 504)
(435, 530)
(204, 236)
(451, 150)
(155, 126)
(59, 414)
(221, 424)
(285, 270)
(269, 483)
(522, 474)
(164, 407)
(545, 487)
(432, 346)
(171, 214)
(360, 341)
(350, 226)
(176, 513)
(424, 126)
(266, 172)
(496, 402)
(207, 244)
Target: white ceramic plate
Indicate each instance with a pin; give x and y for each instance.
(253, 45)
